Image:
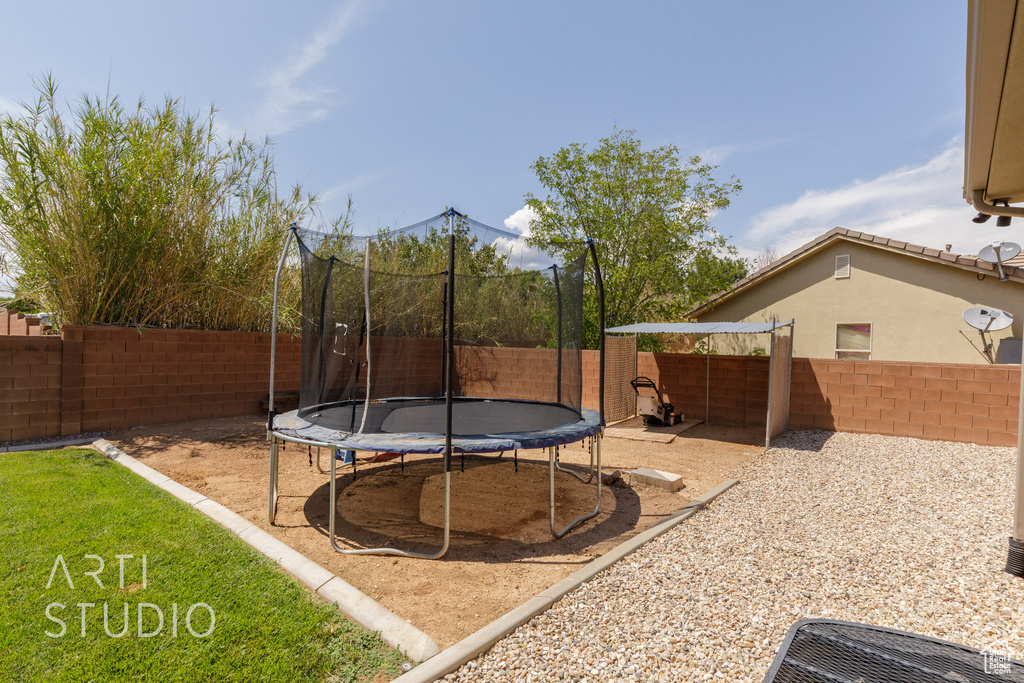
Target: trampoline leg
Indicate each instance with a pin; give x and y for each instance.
(551, 479)
(590, 476)
(394, 551)
(272, 497)
(318, 465)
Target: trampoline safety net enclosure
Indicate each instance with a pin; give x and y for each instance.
(428, 340)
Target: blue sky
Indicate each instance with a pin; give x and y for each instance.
(830, 113)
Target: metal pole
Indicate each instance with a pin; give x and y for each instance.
(707, 382)
(551, 497)
(450, 360)
(771, 390)
(369, 337)
(558, 298)
(1015, 557)
(600, 330)
(272, 497)
(273, 328)
(789, 372)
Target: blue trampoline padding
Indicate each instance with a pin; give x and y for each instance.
(416, 425)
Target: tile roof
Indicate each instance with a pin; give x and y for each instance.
(1013, 268)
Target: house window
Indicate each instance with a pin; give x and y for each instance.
(842, 266)
(853, 341)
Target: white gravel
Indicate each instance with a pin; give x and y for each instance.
(896, 532)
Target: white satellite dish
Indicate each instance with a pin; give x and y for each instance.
(987, 319)
(999, 253)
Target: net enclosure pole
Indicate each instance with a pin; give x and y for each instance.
(558, 298)
(272, 494)
(449, 375)
(600, 328)
(369, 336)
(273, 326)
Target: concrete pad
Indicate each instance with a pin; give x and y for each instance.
(663, 480)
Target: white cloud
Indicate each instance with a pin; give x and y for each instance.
(521, 254)
(919, 204)
(292, 99)
(716, 155)
(520, 221)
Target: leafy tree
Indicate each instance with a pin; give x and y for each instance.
(650, 216)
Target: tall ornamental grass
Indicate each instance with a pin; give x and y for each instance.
(142, 216)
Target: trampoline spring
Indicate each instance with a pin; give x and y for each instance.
(515, 455)
(309, 451)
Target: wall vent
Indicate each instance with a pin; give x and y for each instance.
(842, 266)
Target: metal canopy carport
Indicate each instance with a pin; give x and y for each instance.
(780, 362)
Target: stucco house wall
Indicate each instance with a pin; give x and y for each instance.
(914, 305)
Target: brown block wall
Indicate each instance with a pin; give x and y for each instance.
(120, 377)
(99, 378)
(504, 372)
(30, 387)
(967, 403)
(17, 324)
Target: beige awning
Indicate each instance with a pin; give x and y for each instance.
(994, 139)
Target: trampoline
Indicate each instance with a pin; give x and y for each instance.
(474, 359)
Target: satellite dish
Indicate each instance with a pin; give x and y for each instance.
(987, 319)
(999, 252)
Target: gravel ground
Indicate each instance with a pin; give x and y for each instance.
(896, 532)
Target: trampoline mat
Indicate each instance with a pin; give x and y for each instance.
(414, 425)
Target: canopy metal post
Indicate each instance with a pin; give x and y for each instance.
(707, 382)
(771, 390)
(789, 372)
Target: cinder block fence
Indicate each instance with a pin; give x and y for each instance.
(103, 378)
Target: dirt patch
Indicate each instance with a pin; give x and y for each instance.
(501, 551)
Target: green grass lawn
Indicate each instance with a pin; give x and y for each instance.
(76, 503)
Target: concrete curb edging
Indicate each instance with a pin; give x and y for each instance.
(47, 445)
(353, 603)
(472, 645)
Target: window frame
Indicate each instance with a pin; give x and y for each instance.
(871, 341)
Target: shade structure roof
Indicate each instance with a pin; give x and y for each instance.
(699, 328)
(994, 136)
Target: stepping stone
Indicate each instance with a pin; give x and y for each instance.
(662, 480)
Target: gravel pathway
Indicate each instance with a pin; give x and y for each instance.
(896, 532)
